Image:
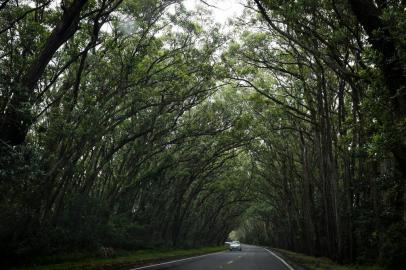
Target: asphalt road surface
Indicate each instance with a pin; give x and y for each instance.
(250, 258)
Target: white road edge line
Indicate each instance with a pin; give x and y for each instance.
(181, 260)
(282, 260)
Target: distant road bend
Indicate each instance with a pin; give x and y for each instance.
(250, 258)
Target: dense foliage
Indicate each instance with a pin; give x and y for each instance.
(331, 158)
(124, 149)
(132, 124)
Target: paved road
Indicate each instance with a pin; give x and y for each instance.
(250, 258)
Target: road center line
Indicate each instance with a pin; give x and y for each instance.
(180, 260)
(282, 260)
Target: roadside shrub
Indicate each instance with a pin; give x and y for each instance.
(393, 248)
(122, 232)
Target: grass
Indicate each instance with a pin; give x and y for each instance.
(123, 262)
(320, 263)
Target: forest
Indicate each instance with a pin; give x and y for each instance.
(135, 124)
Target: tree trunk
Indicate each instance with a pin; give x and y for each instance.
(381, 39)
(16, 119)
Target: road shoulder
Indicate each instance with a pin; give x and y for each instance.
(132, 260)
(304, 262)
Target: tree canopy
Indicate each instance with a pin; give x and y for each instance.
(142, 124)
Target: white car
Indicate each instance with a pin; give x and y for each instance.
(235, 245)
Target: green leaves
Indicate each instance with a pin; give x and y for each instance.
(162, 129)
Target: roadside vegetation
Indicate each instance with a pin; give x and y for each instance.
(305, 262)
(139, 124)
